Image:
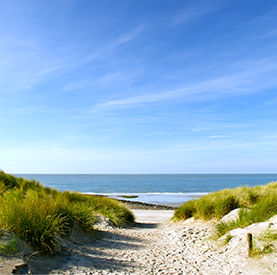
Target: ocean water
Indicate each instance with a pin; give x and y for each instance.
(168, 189)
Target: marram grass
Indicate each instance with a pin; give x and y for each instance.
(257, 204)
(41, 215)
(265, 243)
(261, 211)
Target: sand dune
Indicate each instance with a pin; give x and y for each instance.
(153, 245)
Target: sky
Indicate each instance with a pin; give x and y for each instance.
(138, 87)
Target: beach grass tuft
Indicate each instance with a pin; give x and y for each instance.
(41, 215)
(257, 204)
(9, 247)
(265, 243)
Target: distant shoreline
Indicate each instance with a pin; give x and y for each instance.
(153, 200)
(148, 206)
(141, 205)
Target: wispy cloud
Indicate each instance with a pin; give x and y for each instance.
(111, 77)
(77, 85)
(166, 84)
(122, 76)
(128, 36)
(198, 129)
(50, 69)
(245, 82)
(132, 101)
(123, 38)
(190, 13)
(220, 136)
(27, 63)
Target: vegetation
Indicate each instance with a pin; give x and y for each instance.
(227, 239)
(129, 197)
(41, 215)
(265, 243)
(8, 247)
(257, 205)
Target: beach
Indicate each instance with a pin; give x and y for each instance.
(153, 245)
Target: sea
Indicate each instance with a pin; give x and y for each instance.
(165, 189)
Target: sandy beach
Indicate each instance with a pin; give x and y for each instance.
(153, 245)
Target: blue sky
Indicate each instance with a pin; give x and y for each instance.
(138, 86)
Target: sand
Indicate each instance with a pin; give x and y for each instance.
(153, 245)
(152, 216)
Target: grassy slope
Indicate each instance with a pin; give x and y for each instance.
(261, 200)
(41, 215)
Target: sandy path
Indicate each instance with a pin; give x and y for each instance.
(152, 216)
(152, 246)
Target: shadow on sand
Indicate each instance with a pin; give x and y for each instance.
(88, 252)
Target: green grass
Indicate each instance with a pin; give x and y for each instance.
(41, 215)
(211, 206)
(261, 211)
(8, 248)
(258, 204)
(264, 244)
(227, 239)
